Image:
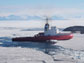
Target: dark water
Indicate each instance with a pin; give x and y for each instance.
(7, 42)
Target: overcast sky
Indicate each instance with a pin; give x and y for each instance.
(65, 8)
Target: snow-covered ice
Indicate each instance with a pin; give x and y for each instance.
(69, 51)
(23, 55)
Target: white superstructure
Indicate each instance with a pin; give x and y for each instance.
(50, 31)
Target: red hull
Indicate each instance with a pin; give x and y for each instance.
(44, 38)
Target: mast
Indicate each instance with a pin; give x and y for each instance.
(46, 28)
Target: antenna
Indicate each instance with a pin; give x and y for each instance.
(47, 19)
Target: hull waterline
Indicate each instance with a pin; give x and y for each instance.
(43, 38)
